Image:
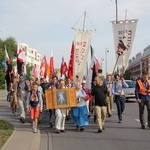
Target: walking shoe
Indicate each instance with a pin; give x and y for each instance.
(109, 115)
(51, 125)
(62, 131)
(119, 121)
(99, 130)
(81, 128)
(143, 127)
(22, 120)
(33, 127)
(35, 130)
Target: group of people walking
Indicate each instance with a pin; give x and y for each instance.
(30, 96)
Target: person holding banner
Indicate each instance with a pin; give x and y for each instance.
(60, 113)
(79, 114)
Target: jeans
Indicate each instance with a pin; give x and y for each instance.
(120, 103)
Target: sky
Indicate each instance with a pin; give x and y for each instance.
(45, 25)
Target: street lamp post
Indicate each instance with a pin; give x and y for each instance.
(102, 59)
(106, 51)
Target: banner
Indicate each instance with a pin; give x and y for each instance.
(82, 43)
(124, 33)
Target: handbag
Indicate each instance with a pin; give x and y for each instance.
(9, 96)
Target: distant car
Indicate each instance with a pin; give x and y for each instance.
(130, 91)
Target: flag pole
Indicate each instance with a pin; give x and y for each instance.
(84, 20)
(115, 64)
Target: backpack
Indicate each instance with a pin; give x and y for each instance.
(34, 103)
(26, 86)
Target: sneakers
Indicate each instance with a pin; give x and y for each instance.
(35, 130)
(51, 125)
(143, 127)
(22, 120)
(119, 121)
(99, 130)
(109, 115)
(81, 128)
(63, 131)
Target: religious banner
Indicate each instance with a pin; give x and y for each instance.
(82, 43)
(124, 33)
(61, 98)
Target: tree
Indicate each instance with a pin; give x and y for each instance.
(2, 70)
(29, 70)
(11, 47)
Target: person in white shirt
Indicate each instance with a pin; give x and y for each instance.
(79, 114)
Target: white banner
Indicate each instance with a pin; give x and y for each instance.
(124, 33)
(82, 44)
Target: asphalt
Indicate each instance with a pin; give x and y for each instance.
(22, 137)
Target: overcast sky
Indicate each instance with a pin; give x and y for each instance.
(46, 24)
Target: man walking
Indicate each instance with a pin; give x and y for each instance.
(22, 92)
(99, 94)
(142, 94)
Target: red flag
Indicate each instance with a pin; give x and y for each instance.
(51, 67)
(34, 73)
(71, 63)
(97, 65)
(63, 68)
(21, 61)
(43, 67)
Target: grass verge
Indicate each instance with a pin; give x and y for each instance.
(6, 130)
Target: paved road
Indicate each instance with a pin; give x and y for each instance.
(125, 136)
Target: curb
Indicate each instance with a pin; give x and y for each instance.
(8, 140)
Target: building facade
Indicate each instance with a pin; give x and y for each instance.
(139, 63)
(33, 58)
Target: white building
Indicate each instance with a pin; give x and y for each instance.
(32, 56)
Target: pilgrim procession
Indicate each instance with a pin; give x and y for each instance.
(81, 104)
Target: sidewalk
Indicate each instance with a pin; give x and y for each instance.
(22, 137)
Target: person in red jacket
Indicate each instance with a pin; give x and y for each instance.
(142, 94)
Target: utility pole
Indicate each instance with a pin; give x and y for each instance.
(106, 51)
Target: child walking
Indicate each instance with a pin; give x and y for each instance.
(34, 105)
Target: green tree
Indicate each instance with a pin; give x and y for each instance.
(11, 48)
(29, 70)
(2, 70)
